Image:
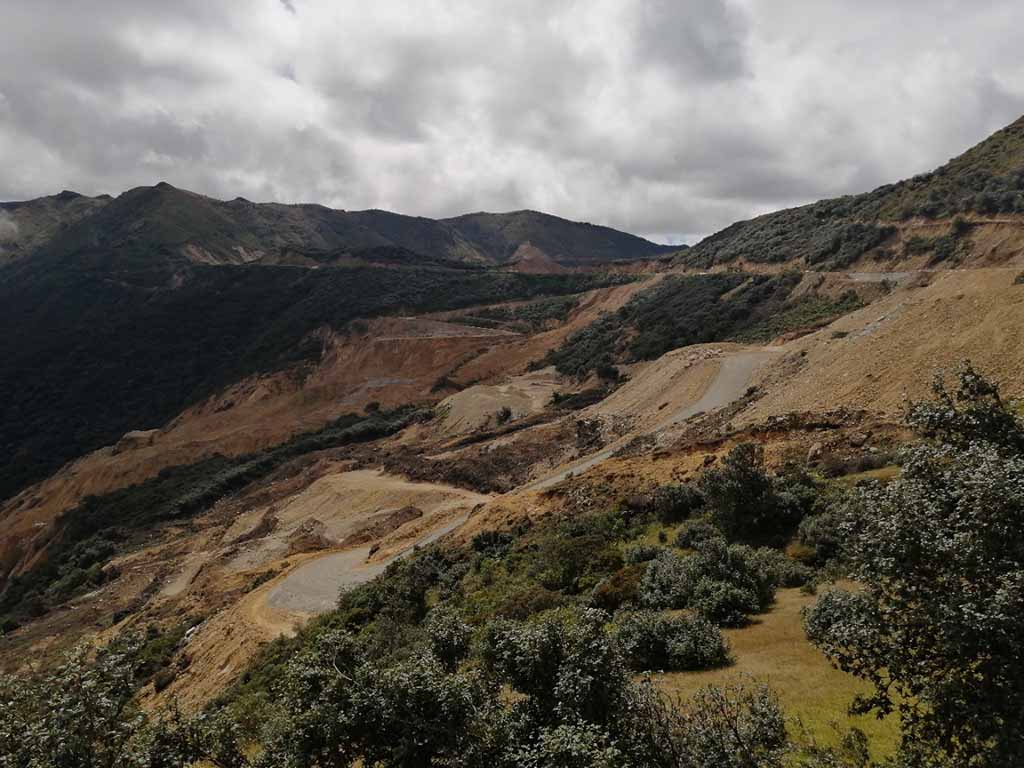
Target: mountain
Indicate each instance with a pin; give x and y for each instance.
(188, 227)
(979, 186)
(128, 310)
(26, 226)
(213, 414)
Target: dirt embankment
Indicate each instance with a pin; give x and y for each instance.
(878, 356)
(493, 365)
(343, 505)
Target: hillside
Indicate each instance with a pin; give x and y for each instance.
(133, 308)
(235, 429)
(187, 227)
(26, 226)
(981, 186)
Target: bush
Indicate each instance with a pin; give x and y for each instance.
(695, 532)
(448, 635)
(823, 535)
(667, 582)
(653, 641)
(493, 543)
(620, 588)
(641, 553)
(724, 582)
(672, 504)
(528, 602)
(783, 571)
(744, 501)
(732, 727)
(723, 602)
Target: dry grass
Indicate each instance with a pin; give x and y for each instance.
(775, 650)
(882, 474)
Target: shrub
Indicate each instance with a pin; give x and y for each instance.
(530, 601)
(667, 582)
(620, 588)
(641, 553)
(937, 554)
(695, 532)
(448, 635)
(723, 602)
(781, 570)
(672, 504)
(732, 727)
(653, 641)
(744, 502)
(493, 543)
(724, 582)
(822, 534)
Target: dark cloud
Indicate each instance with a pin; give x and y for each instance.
(670, 119)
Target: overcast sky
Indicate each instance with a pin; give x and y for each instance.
(668, 118)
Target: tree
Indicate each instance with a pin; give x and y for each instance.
(743, 500)
(940, 557)
(973, 412)
(82, 714)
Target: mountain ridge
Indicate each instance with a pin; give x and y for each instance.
(204, 229)
(985, 180)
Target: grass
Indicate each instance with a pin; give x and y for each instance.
(882, 474)
(774, 649)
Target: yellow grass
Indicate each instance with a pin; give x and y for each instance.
(775, 650)
(883, 474)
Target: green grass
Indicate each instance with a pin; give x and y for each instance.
(774, 649)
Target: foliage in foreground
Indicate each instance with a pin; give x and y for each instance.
(554, 693)
(940, 557)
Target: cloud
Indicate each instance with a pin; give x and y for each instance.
(670, 119)
(8, 227)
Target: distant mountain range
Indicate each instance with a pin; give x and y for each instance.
(116, 313)
(184, 226)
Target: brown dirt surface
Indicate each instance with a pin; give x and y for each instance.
(876, 357)
(478, 406)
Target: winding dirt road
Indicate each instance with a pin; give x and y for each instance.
(314, 586)
(732, 380)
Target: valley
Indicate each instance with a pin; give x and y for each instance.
(238, 431)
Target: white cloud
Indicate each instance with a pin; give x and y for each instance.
(664, 118)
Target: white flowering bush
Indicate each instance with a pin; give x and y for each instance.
(935, 625)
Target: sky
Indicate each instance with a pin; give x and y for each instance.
(666, 118)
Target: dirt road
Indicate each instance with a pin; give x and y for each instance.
(732, 380)
(314, 587)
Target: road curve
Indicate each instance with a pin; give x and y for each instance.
(731, 382)
(314, 586)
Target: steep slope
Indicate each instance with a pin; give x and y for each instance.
(94, 345)
(984, 184)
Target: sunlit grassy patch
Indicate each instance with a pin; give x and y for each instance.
(882, 474)
(775, 649)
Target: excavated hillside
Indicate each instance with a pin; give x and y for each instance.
(510, 400)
